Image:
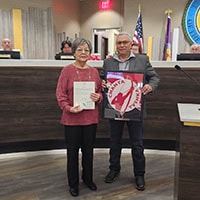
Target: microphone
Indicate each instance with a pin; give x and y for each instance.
(177, 67)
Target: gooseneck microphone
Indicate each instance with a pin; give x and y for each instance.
(177, 67)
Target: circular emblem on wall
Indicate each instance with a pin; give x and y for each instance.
(191, 21)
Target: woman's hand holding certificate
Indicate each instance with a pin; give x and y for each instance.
(82, 94)
(76, 109)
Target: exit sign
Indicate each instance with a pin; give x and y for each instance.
(105, 4)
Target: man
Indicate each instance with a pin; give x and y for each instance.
(125, 60)
(6, 44)
(195, 48)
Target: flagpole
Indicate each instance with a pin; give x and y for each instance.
(167, 44)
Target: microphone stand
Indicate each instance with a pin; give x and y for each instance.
(177, 67)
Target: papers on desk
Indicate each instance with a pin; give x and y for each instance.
(189, 112)
(82, 91)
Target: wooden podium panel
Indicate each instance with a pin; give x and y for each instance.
(187, 171)
(30, 116)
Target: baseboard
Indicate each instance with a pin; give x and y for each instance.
(100, 143)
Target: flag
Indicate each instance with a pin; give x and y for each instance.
(138, 34)
(167, 46)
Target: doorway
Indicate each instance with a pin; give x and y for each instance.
(104, 41)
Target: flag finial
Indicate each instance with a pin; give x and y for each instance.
(139, 7)
(168, 12)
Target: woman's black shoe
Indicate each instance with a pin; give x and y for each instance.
(74, 191)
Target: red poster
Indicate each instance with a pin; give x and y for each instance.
(123, 96)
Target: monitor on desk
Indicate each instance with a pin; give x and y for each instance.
(64, 56)
(9, 54)
(188, 56)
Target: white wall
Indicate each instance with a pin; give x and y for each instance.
(92, 17)
(66, 17)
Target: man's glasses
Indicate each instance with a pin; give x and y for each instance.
(123, 42)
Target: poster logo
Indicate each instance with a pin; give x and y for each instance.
(123, 96)
(191, 21)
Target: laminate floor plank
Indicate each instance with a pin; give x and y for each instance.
(41, 175)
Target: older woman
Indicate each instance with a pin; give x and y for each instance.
(80, 123)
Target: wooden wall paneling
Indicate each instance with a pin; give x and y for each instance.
(29, 111)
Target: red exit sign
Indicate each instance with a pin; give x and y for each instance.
(105, 4)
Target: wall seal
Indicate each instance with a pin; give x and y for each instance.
(191, 22)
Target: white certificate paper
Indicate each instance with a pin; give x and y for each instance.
(82, 91)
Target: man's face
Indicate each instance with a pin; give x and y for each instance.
(123, 45)
(6, 45)
(195, 48)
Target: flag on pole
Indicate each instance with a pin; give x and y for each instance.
(167, 45)
(138, 34)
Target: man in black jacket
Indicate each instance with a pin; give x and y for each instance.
(125, 60)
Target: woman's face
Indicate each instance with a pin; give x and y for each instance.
(67, 49)
(82, 53)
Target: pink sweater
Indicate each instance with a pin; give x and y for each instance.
(64, 95)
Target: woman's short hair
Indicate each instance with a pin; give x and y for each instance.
(64, 43)
(81, 41)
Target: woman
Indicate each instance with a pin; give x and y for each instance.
(66, 46)
(80, 124)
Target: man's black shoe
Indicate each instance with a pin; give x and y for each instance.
(74, 191)
(91, 186)
(140, 183)
(111, 176)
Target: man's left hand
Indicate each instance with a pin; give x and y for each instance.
(146, 89)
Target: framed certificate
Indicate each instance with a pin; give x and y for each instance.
(123, 95)
(82, 91)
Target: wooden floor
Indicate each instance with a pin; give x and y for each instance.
(41, 175)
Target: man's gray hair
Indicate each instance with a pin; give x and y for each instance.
(125, 33)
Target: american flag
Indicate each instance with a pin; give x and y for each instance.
(138, 34)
